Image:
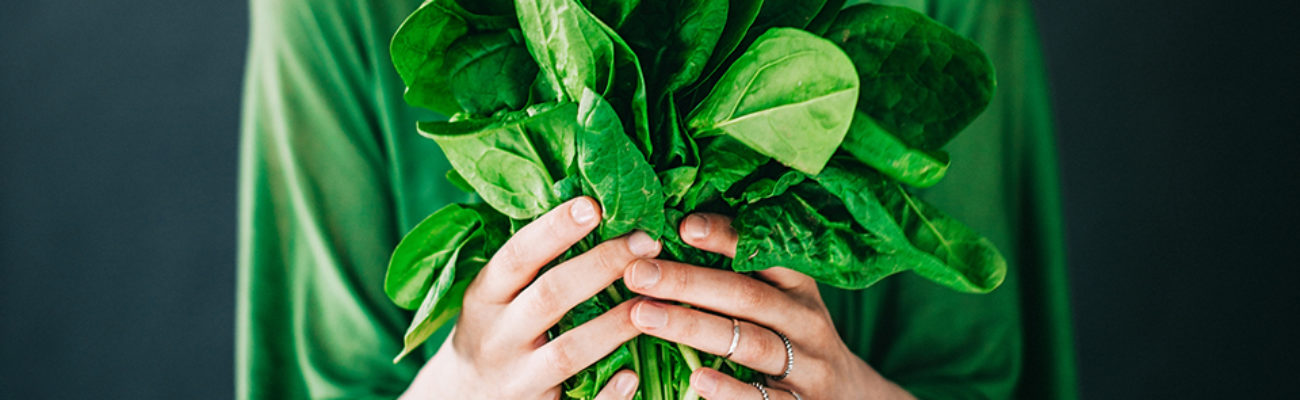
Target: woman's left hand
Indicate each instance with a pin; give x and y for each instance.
(774, 300)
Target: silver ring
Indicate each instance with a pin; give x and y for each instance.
(796, 395)
(789, 358)
(761, 389)
(735, 338)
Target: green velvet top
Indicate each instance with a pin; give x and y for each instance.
(332, 173)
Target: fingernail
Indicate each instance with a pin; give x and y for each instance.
(640, 244)
(695, 227)
(626, 385)
(582, 211)
(644, 274)
(704, 382)
(650, 315)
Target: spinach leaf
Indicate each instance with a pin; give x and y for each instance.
(569, 44)
(790, 96)
(724, 161)
(615, 173)
(872, 145)
(452, 243)
(807, 230)
(676, 38)
(928, 82)
(424, 250)
(740, 16)
(576, 52)
(419, 50)
(490, 72)
(947, 252)
(765, 188)
(786, 13)
(500, 159)
(678, 160)
(824, 17)
(612, 12)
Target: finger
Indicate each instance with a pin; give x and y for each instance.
(724, 292)
(580, 347)
(757, 347)
(714, 385)
(541, 304)
(710, 232)
(620, 387)
(788, 280)
(532, 247)
(713, 232)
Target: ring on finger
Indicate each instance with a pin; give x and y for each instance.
(735, 338)
(789, 357)
(794, 394)
(761, 389)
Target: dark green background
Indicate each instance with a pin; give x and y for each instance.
(1177, 128)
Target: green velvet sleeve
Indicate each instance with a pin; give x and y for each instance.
(331, 174)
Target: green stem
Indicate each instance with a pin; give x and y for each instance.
(652, 372)
(692, 360)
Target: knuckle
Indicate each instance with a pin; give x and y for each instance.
(508, 256)
(679, 279)
(608, 258)
(556, 356)
(763, 348)
(749, 294)
(542, 300)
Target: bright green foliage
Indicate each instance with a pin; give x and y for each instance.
(659, 109)
(790, 96)
(454, 242)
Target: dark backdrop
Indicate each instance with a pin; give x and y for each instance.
(1177, 125)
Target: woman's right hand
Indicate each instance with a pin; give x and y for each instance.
(499, 348)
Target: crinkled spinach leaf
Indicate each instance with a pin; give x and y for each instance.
(615, 173)
(490, 72)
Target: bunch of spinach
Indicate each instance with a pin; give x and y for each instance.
(803, 120)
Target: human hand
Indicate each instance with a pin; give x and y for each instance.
(499, 348)
(775, 300)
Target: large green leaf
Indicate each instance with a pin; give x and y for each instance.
(786, 14)
(927, 82)
(675, 38)
(615, 173)
(612, 12)
(954, 255)
(825, 16)
(809, 231)
(724, 161)
(424, 250)
(789, 96)
(568, 44)
(503, 160)
(872, 145)
(437, 260)
(740, 16)
(490, 71)
(419, 50)
(576, 51)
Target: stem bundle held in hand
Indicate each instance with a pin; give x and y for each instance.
(804, 121)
